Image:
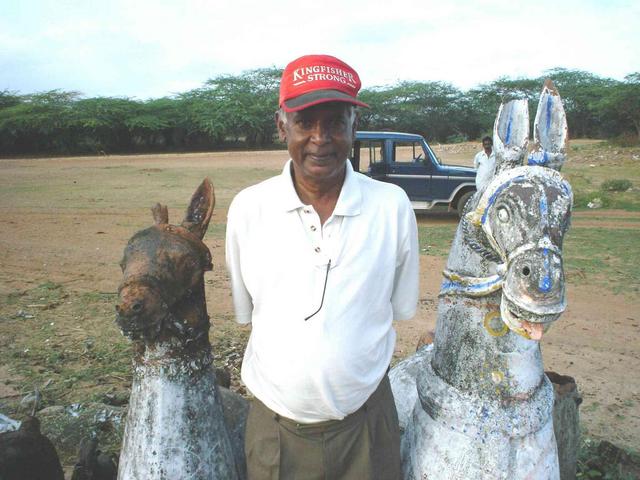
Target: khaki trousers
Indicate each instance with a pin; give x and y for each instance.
(363, 445)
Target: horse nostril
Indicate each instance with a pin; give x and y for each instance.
(526, 271)
(137, 307)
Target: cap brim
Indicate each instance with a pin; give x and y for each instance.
(317, 97)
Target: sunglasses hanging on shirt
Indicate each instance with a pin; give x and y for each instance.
(324, 289)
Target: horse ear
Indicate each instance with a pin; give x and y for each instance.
(200, 209)
(550, 134)
(160, 214)
(511, 134)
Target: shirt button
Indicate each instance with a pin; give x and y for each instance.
(313, 228)
(317, 249)
(306, 210)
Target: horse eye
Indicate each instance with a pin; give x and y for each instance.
(503, 215)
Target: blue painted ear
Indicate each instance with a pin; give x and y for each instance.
(550, 133)
(512, 123)
(511, 134)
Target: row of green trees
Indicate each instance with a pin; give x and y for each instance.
(232, 110)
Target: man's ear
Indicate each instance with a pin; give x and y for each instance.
(282, 134)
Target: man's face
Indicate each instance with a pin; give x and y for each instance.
(487, 145)
(319, 139)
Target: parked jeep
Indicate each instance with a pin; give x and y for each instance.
(407, 160)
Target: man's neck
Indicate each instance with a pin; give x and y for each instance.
(322, 195)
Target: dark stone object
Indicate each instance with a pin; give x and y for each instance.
(93, 464)
(566, 422)
(27, 454)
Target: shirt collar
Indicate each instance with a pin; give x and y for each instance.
(349, 200)
(350, 197)
(289, 196)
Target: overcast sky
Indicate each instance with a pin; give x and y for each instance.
(152, 48)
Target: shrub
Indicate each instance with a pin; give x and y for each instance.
(457, 138)
(626, 139)
(582, 199)
(616, 185)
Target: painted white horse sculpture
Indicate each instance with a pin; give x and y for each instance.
(476, 404)
(175, 427)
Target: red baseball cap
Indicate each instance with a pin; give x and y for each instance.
(314, 79)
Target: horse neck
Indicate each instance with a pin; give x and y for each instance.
(473, 349)
(183, 344)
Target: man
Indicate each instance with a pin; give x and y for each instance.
(485, 163)
(321, 260)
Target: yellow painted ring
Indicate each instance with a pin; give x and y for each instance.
(492, 331)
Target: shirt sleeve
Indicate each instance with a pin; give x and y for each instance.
(242, 301)
(404, 299)
(476, 161)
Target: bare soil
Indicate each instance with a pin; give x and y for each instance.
(67, 220)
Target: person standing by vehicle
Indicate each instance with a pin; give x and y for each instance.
(322, 259)
(485, 163)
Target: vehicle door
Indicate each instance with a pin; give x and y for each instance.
(409, 170)
(440, 187)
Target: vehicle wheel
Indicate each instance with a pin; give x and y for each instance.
(462, 202)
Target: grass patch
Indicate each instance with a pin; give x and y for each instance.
(603, 460)
(607, 218)
(436, 239)
(611, 182)
(616, 185)
(604, 256)
(66, 345)
(628, 201)
(627, 139)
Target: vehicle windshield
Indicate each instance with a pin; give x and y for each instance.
(454, 154)
(432, 153)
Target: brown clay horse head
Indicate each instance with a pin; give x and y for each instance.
(175, 424)
(161, 296)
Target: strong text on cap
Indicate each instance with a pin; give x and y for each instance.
(322, 72)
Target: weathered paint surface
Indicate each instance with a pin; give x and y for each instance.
(550, 131)
(175, 427)
(477, 404)
(484, 407)
(403, 380)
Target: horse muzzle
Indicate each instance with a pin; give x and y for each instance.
(533, 293)
(138, 311)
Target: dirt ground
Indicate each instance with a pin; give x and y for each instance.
(51, 234)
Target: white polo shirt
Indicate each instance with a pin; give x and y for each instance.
(485, 164)
(277, 255)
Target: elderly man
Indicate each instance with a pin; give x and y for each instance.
(321, 259)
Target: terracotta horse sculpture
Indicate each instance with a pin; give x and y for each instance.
(175, 427)
(477, 404)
